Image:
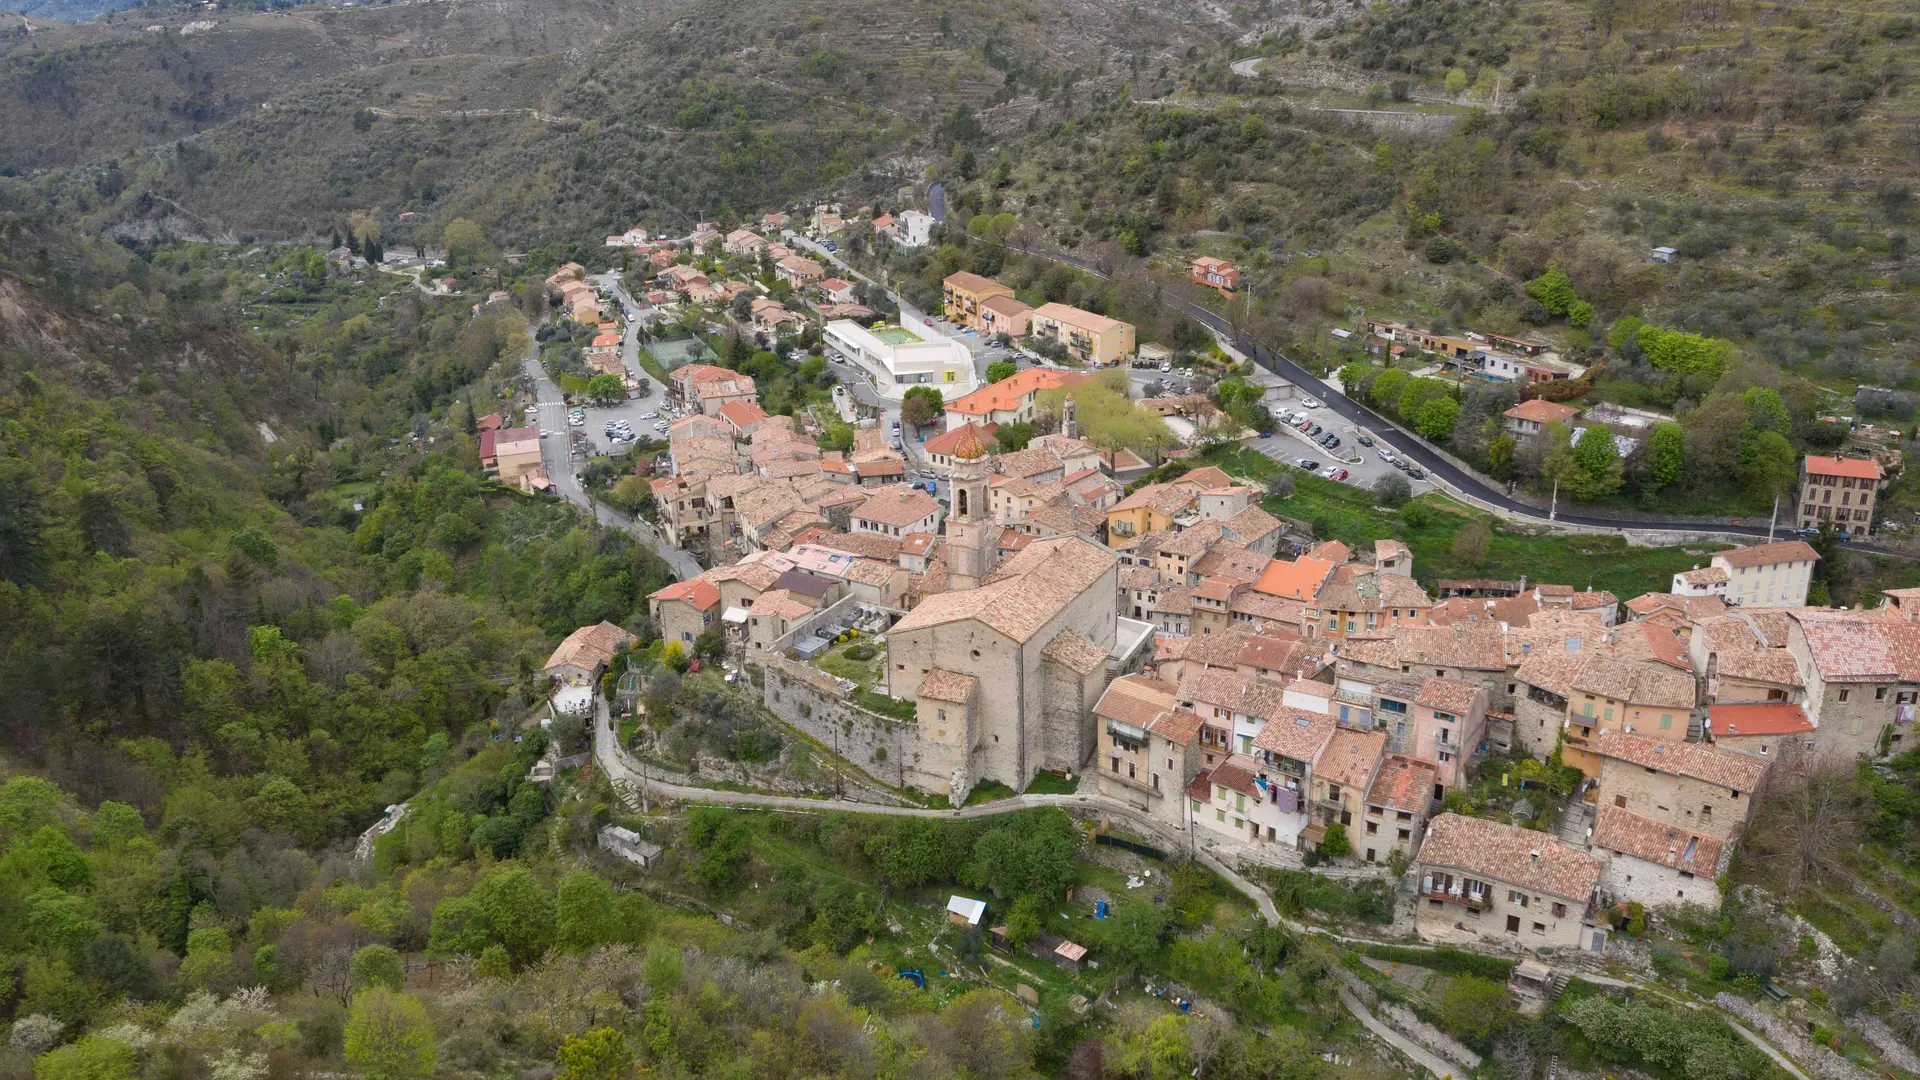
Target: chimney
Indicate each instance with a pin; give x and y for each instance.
(1535, 856)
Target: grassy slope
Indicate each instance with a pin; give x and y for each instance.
(1596, 563)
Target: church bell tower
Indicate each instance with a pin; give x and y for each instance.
(970, 529)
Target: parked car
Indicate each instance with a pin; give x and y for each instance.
(1315, 430)
(1337, 474)
(1309, 403)
(1364, 441)
(1386, 456)
(1308, 464)
(1166, 369)
(1417, 473)
(1402, 464)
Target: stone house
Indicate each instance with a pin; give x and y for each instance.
(1640, 698)
(1543, 684)
(1446, 726)
(1658, 864)
(1147, 747)
(1487, 882)
(1398, 803)
(1862, 674)
(683, 610)
(1776, 574)
(1342, 776)
(579, 660)
(1694, 786)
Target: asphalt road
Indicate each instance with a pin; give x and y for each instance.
(560, 464)
(1407, 444)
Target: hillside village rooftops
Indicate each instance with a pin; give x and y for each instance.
(1852, 646)
(1775, 666)
(1768, 554)
(1701, 761)
(1501, 852)
(1168, 499)
(1354, 587)
(1705, 575)
(1628, 833)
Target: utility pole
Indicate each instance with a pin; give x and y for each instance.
(1553, 509)
(1775, 518)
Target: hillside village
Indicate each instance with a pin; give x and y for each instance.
(1276, 696)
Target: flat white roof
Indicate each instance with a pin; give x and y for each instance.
(970, 910)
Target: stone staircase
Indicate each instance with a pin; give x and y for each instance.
(1575, 822)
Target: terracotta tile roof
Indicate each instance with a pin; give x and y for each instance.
(1296, 733)
(1178, 726)
(1447, 696)
(972, 282)
(1724, 633)
(1598, 598)
(1173, 600)
(1636, 682)
(780, 604)
(1075, 651)
(1552, 672)
(1771, 718)
(1706, 575)
(1495, 851)
(1768, 554)
(1849, 646)
(945, 443)
(1542, 411)
(701, 594)
(1194, 542)
(1472, 647)
(1775, 666)
(1269, 609)
(592, 646)
(1025, 593)
(1771, 624)
(1217, 590)
(1384, 550)
(1403, 784)
(1628, 833)
(1167, 499)
(871, 545)
(1700, 761)
(1854, 467)
(1332, 551)
(1141, 578)
(1297, 580)
(943, 685)
(1201, 786)
(1136, 700)
(1006, 394)
(1236, 774)
(896, 504)
(1652, 639)
(1350, 756)
(1355, 587)
(1253, 524)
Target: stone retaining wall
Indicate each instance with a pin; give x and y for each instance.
(887, 749)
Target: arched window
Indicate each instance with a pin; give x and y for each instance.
(961, 495)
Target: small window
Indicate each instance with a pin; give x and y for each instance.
(1539, 928)
(1620, 801)
(1845, 694)
(1559, 911)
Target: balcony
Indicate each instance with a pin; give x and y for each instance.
(1471, 901)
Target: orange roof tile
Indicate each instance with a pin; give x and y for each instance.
(1296, 580)
(1854, 467)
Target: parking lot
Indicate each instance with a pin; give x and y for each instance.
(1363, 464)
(641, 414)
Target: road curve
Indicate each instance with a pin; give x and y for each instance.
(607, 753)
(1410, 445)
